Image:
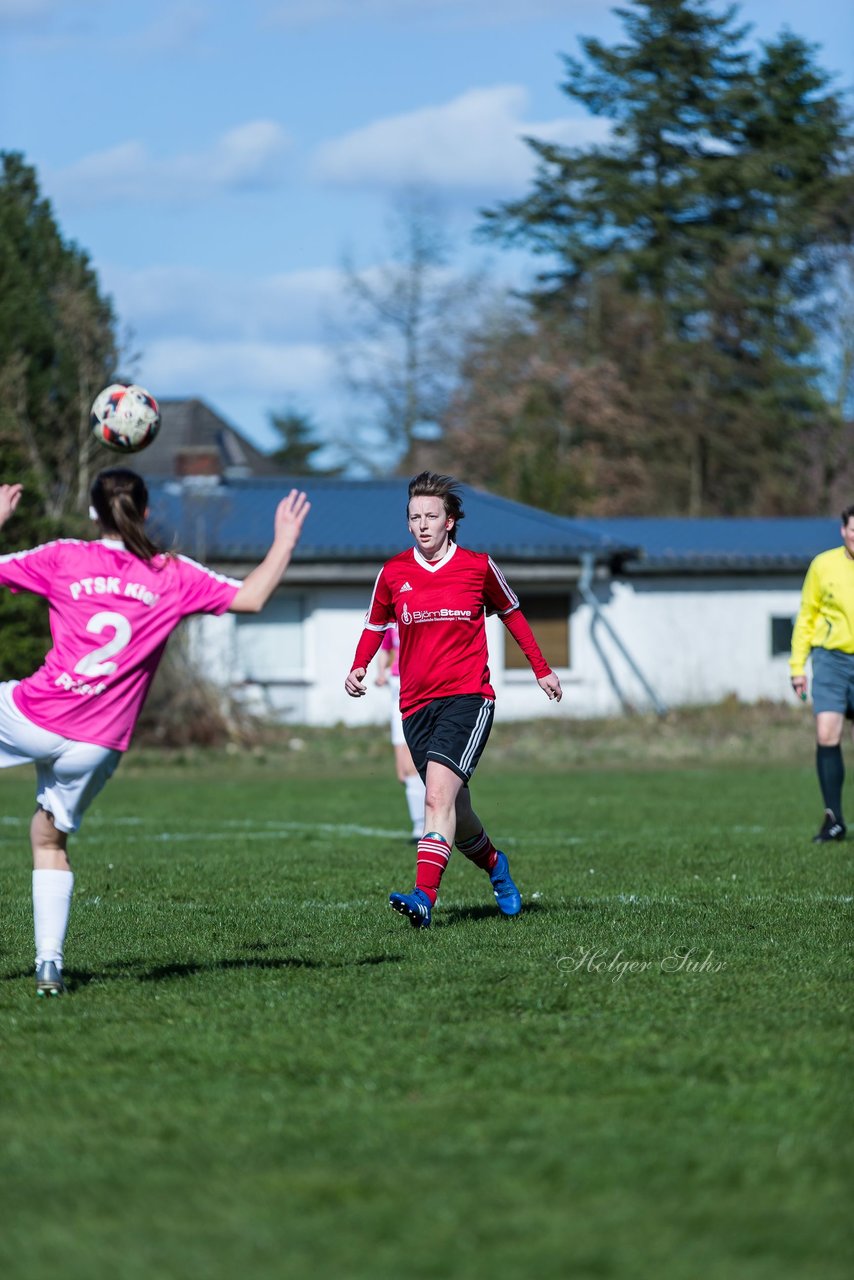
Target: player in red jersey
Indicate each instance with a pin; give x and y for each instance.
(439, 594)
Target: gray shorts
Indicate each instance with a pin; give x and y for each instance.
(833, 681)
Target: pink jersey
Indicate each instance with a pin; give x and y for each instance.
(391, 644)
(111, 614)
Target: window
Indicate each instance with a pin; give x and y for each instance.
(781, 636)
(269, 645)
(549, 619)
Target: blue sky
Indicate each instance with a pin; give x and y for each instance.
(216, 158)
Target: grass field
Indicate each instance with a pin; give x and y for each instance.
(261, 1071)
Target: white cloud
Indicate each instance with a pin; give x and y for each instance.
(175, 31)
(191, 366)
(244, 345)
(247, 157)
(244, 381)
(474, 142)
(247, 346)
(222, 305)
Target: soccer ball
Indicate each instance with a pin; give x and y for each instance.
(125, 418)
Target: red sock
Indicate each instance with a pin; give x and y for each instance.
(480, 850)
(433, 854)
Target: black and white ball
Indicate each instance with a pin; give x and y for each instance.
(125, 418)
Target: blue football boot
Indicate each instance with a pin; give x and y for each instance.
(415, 905)
(507, 896)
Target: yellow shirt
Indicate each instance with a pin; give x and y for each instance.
(826, 616)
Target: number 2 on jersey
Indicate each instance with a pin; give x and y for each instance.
(95, 663)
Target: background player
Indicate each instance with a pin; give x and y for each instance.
(824, 631)
(407, 774)
(439, 594)
(114, 602)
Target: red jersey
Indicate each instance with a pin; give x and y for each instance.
(439, 609)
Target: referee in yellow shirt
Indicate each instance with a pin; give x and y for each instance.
(824, 630)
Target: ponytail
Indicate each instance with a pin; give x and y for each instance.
(120, 499)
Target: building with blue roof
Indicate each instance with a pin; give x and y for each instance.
(722, 544)
(634, 614)
(707, 605)
(291, 660)
(363, 523)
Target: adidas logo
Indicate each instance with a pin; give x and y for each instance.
(405, 587)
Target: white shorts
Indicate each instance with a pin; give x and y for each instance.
(68, 774)
(397, 738)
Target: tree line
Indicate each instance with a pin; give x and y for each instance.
(58, 348)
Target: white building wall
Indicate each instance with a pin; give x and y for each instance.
(696, 640)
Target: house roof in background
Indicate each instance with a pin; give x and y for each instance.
(684, 545)
(363, 521)
(189, 425)
(358, 521)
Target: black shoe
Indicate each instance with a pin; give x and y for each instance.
(831, 829)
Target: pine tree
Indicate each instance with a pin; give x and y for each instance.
(58, 345)
(299, 444)
(57, 349)
(711, 208)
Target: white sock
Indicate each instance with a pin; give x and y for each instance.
(51, 909)
(415, 793)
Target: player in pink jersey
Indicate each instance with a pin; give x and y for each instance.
(407, 774)
(114, 602)
(438, 593)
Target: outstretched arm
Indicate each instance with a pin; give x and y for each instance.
(10, 496)
(260, 584)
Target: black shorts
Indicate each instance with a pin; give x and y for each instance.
(452, 731)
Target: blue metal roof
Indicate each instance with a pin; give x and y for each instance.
(358, 520)
(683, 544)
(365, 521)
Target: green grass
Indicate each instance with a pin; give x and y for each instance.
(261, 1071)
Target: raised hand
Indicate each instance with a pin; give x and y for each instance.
(10, 495)
(290, 517)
